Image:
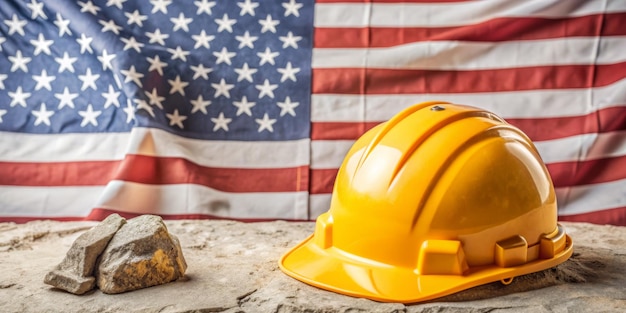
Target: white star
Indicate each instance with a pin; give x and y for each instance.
(245, 73)
(37, 9)
(89, 116)
(112, 97)
(267, 56)
(266, 123)
(201, 71)
(88, 80)
(106, 59)
(142, 104)
(225, 24)
(2, 40)
(246, 40)
(63, 25)
(247, 7)
(16, 25)
(202, 40)
(155, 99)
(43, 115)
(66, 63)
(157, 37)
(85, 43)
(2, 78)
(132, 75)
(88, 7)
(266, 89)
(204, 6)
(288, 72)
(176, 119)
(177, 85)
(290, 40)
(18, 97)
(110, 26)
(292, 8)
(41, 45)
(178, 53)
(224, 56)
(156, 64)
(43, 80)
(130, 111)
(135, 18)
(160, 5)
(268, 24)
(222, 89)
(200, 105)
(244, 106)
(118, 3)
(181, 22)
(66, 98)
(2, 113)
(221, 122)
(132, 43)
(287, 107)
(19, 62)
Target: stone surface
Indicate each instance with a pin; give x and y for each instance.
(141, 254)
(233, 268)
(75, 273)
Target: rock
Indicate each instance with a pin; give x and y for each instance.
(75, 273)
(141, 254)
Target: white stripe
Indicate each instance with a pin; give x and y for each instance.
(20, 147)
(48, 201)
(320, 203)
(154, 142)
(581, 199)
(591, 198)
(196, 199)
(136, 198)
(459, 55)
(583, 147)
(515, 104)
(452, 14)
(328, 154)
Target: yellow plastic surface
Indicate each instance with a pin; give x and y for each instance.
(439, 199)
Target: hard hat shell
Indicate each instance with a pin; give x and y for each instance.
(440, 198)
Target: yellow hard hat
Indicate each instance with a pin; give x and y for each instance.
(440, 198)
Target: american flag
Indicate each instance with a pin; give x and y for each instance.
(245, 110)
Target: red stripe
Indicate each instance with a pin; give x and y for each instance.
(322, 180)
(616, 216)
(339, 130)
(601, 121)
(576, 173)
(156, 171)
(93, 173)
(494, 30)
(538, 129)
(401, 81)
(564, 174)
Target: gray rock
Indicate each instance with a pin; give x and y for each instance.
(75, 273)
(141, 254)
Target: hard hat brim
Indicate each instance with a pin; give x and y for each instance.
(335, 270)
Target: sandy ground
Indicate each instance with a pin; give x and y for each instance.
(233, 268)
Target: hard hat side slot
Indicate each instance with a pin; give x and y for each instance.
(511, 251)
(553, 243)
(441, 257)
